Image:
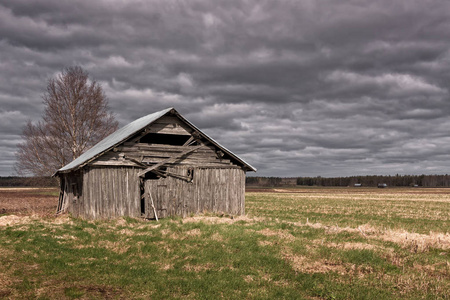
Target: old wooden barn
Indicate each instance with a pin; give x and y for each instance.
(157, 166)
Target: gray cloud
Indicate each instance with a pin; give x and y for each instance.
(297, 88)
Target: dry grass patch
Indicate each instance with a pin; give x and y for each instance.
(266, 243)
(126, 231)
(442, 268)
(117, 247)
(417, 242)
(217, 237)
(221, 220)
(166, 267)
(162, 245)
(62, 219)
(283, 234)
(13, 220)
(306, 265)
(194, 232)
(350, 246)
(198, 268)
(83, 246)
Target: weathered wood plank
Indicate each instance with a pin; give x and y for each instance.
(114, 163)
(110, 192)
(159, 147)
(169, 160)
(169, 129)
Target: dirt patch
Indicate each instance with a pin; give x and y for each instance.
(4, 293)
(92, 291)
(28, 201)
(24, 189)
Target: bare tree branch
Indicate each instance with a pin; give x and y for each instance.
(76, 117)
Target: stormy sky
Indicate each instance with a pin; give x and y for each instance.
(296, 88)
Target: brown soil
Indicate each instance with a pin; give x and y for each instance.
(26, 201)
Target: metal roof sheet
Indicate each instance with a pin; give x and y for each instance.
(129, 130)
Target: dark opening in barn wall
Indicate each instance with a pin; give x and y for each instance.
(165, 139)
(149, 176)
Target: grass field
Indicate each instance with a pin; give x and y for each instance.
(309, 243)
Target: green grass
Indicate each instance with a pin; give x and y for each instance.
(411, 209)
(270, 255)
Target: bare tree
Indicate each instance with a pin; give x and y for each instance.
(76, 117)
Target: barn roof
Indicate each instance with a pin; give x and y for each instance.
(128, 131)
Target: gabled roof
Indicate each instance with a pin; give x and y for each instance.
(128, 131)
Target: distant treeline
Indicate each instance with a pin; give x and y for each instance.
(369, 180)
(12, 181)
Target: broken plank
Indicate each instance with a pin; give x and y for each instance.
(168, 160)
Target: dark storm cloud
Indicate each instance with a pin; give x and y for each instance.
(294, 87)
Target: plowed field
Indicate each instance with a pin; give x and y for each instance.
(28, 201)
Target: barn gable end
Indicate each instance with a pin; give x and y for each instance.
(166, 167)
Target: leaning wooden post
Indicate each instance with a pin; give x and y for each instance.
(153, 206)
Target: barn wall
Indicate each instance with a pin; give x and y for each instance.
(153, 153)
(110, 186)
(212, 189)
(107, 193)
(72, 193)
(110, 192)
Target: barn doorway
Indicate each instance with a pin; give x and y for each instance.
(155, 199)
(154, 195)
(166, 193)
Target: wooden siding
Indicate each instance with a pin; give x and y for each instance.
(113, 192)
(72, 192)
(107, 193)
(213, 190)
(170, 125)
(151, 153)
(110, 186)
